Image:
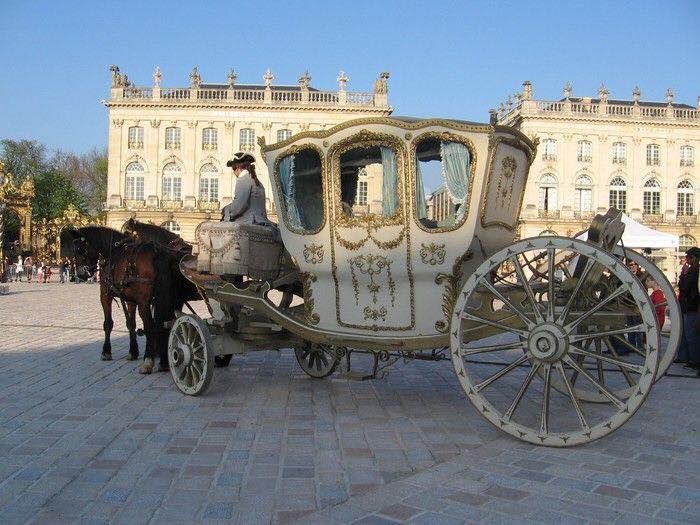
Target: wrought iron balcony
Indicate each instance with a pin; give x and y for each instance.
(686, 219)
(548, 214)
(653, 217)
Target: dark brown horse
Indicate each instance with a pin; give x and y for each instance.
(138, 273)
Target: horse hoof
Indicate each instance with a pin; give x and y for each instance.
(106, 357)
(163, 368)
(146, 367)
(132, 357)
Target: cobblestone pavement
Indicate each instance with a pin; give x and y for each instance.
(83, 440)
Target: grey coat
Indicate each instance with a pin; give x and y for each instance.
(248, 204)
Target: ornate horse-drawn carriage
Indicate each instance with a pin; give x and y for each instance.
(534, 328)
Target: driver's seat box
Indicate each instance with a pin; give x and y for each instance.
(240, 249)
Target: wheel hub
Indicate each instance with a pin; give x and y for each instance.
(181, 355)
(548, 342)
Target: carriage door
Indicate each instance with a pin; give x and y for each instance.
(370, 237)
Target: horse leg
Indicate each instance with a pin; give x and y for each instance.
(148, 327)
(106, 301)
(130, 314)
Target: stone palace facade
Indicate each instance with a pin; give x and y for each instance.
(598, 152)
(168, 147)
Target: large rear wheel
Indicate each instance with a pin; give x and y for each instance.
(521, 326)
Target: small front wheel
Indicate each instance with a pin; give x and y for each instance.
(317, 360)
(191, 355)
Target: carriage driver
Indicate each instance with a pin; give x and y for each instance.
(248, 204)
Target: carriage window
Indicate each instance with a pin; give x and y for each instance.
(442, 182)
(368, 181)
(302, 189)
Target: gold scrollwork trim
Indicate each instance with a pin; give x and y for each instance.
(278, 188)
(313, 253)
(528, 148)
(432, 253)
(367, 139)
(412, 124)
(446, 137)
(452, 284)
(308, 280)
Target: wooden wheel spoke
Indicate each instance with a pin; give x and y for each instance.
(596, 335)
(528, 289)
(491, 348)
(624, 371)
(601, 388)
(601, 358)
(572, 396)
(471, 317)
(503, 371)
(506, 301)
(618, 292)
(628, 345)
(521, 392)
(565, 312)
(544, 414)
(550, 284)
(599, 362)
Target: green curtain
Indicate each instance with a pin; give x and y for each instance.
(455, 172)
(421, 205)
(389, 192)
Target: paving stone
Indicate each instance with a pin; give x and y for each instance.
(83, 439)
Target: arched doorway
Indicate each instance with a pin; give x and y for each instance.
(11, 233)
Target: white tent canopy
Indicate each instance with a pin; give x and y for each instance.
(639, 236)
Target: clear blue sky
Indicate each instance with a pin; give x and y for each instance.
(454, 59)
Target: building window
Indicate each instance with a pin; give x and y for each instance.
(282, 134)
(653, 155)
(619, 153)
(209, 139)
(686, 155)
(584, 151)
(686, 198)
(549, 149)
(548, 233)
(135, 137)
(618, 194)
(134, 182)
(247, 139)
(583, 193)
(172, 138)
(652, 197)
(685, 242)
(362, 187)
(209, 183)
(548, 193)
(171, 226)
(172, 182)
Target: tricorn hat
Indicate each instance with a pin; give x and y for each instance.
(240, 158)
(693, 252)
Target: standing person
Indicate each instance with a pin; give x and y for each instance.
(689, 299)
(19, 269)
(47, 273)
(62, 271)
(658, 299)
(40, 273)
(28, 267)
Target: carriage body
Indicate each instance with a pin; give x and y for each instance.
(387, 272)
(534, 327)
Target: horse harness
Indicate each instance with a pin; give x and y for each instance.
(131, 253)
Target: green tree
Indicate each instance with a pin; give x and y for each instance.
(53, 193)
(23, 158)
(88, 174)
